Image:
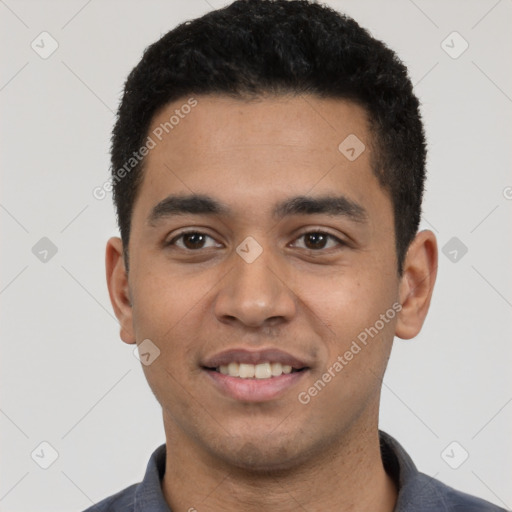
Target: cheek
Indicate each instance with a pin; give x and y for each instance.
(348, 302)
(367, 326)
(168, 316)
(170, 312)
(361, 320)
(162, 302)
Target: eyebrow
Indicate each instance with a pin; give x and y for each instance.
(198, 204)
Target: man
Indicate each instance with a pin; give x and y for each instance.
(268, 166)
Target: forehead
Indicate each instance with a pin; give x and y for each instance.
(250, 152)
(303, 122)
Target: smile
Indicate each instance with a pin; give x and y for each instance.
(254, 376)
(257, 371)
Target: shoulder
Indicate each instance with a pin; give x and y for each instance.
(146, 495)
(419, 492)
(434, 495)
(122, 501)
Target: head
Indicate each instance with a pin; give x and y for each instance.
(255, 48)
(260, 120)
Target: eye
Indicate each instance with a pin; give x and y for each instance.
(191, 240)
(316, 240)
(195, 240)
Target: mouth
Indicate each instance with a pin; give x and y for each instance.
(255, 371)
(254, 376)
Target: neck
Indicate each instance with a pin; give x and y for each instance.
(348, 477)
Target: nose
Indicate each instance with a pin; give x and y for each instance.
(255, 294)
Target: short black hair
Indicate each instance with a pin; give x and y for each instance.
(256, 47)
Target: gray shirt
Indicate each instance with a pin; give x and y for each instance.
(417, 492)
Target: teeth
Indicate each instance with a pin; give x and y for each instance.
(233, 370)
(276, 369)
(258, 371)
(262, 371)
(247, 371)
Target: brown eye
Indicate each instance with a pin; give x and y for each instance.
(191, 240)
(317, 240)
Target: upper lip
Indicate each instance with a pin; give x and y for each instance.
(242, 355)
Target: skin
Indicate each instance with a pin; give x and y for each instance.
(309, 299)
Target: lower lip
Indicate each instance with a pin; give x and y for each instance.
(254, 390)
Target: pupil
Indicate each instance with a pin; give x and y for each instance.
(195, 238)
(316, 237)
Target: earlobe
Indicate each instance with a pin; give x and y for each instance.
(417, 284)
(118, 288)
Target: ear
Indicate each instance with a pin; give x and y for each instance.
(118, 288)
(417, 284)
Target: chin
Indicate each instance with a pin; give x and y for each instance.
(252, 459)
(263, 455)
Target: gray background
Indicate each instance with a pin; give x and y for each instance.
(67, 379)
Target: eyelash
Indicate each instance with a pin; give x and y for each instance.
(316, 232)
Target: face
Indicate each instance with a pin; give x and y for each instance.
(256, 245)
